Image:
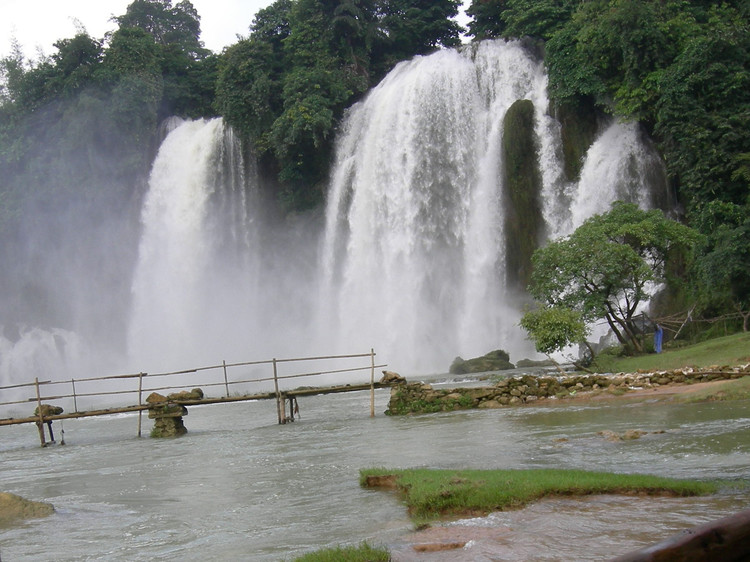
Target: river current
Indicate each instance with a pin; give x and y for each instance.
(239, 486)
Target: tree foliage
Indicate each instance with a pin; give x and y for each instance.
(722, 268)
(552, 329)
(286, 86)
(610, 266)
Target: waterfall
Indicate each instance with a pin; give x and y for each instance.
(413, 250)
(197, 266)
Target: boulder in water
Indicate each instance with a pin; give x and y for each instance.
(497, 360)
(15, 508)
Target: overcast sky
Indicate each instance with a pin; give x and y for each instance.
(36, 24)
(39, 23)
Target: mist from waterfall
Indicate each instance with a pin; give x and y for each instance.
(408, 257)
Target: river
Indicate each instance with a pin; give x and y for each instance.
(240, 487)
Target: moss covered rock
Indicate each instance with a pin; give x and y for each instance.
(524, 224)
(497, 360)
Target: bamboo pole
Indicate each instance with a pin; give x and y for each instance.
(140, 401)
(75, 402)
(40, 423)
(279, 403)
(226, 382)
(372, 383)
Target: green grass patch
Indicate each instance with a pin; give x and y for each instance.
(432, 494)
(727, 350)
(362, 553)
(737, 389)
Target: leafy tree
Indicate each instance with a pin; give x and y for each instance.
(177, 25)
(518, 18)
(722, 264)
(703, 116)
(609, 266)
(417, 27)
(552, 329)
(486, 18)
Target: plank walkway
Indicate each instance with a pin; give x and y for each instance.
(173, 404)
(312, 391)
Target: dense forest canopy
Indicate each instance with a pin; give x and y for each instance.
(78, 128)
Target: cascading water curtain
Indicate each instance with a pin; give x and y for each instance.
(413, 251)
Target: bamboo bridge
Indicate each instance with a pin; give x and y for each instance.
(174, 405)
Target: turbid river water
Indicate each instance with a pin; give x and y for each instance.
(240, 487)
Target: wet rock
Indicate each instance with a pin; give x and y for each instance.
(609, 435)
(633, 434)
(195, 394)
(391, 377)
(155, 397)
(168, 427)
(438, 547)
(49, 410)
(497, 360)
(15, 508)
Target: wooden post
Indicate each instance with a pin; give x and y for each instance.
(372, 383)
(75, 403)
(226, 383)
(40, 423)
(279, 402)
(140, 401)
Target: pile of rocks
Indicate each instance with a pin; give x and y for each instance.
(167, 415)
(409, 398)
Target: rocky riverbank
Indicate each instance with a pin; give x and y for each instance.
(418, 398)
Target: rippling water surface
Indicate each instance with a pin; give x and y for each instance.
(238, 486)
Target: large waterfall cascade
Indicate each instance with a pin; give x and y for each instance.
(414, 244)
(410, 257)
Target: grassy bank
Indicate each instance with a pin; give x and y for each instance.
(432, 494)
(728, 350)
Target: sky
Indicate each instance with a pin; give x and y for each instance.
(37, 24)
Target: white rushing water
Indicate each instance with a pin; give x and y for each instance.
(189, 247)
(414, 249)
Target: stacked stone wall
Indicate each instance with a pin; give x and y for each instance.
(418, 398)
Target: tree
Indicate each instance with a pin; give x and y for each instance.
(417, 27)
(552, 329)
(610, 266)
(486, 18)
(722, 265)
(169, 25)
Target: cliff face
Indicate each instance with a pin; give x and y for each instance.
(522, 186)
